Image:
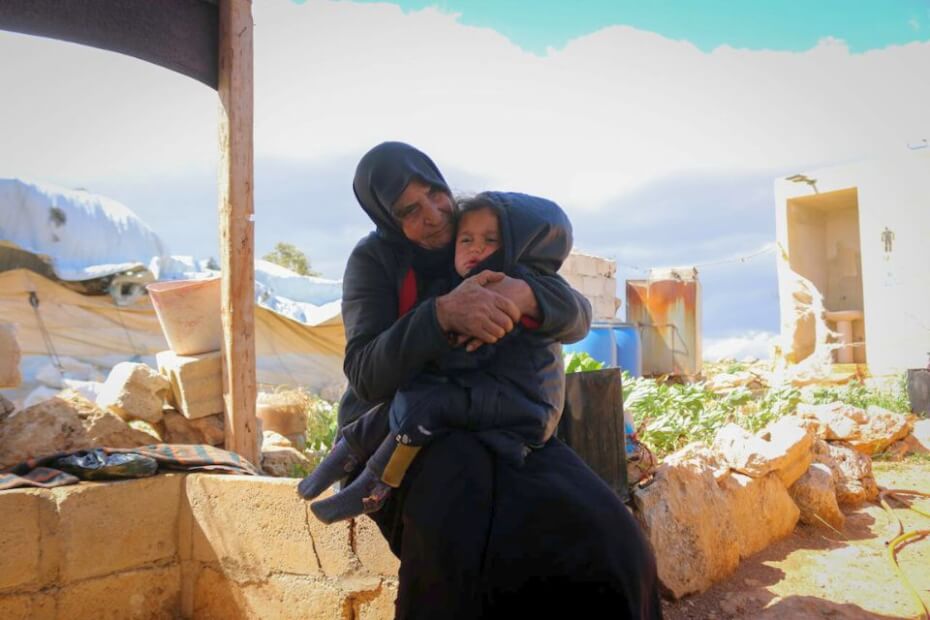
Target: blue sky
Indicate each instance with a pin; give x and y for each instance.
(659, 130)
(787, 25)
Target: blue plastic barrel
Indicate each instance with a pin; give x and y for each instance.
(614, 344)
(629, 348)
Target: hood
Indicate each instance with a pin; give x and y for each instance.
(380, 179)
(535, 232)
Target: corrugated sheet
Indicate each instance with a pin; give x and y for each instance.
(667, 308)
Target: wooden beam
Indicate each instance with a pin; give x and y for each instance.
(237, 234)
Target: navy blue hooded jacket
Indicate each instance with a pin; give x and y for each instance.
(515, 387)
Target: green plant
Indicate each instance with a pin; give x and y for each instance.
(581, 362)
(322, 424)
(860, 395)
(287, 255)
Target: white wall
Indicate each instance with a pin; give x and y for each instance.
(896, 286)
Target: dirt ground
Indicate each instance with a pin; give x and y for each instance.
(816, 573)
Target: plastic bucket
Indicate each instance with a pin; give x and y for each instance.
(189, 314)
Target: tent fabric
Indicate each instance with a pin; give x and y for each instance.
(93, 327)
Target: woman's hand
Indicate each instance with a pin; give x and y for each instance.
(475, 310)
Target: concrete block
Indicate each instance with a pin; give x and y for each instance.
(27, 559)
(282, 597)
(108, 527)
(372, 550)
(134, 392)
(196, 382)
(27, 607)
(254, 527)
(10, 355)
(147, 593)
(381, 606)
(606, 268)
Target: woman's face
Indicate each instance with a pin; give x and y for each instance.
(425, 214)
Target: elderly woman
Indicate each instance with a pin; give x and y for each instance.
(476, 535)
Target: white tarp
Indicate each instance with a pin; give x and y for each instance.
(85, 235)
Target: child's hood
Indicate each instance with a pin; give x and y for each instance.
(535, 232)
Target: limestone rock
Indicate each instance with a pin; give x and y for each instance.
(63, 423)
(685, 516)
(882, 429)
(6, 407)
(212, 429)
(207, 430)
(834, 421)
(852, 472)
(815, 495)
(283, 462)
(783, 446)
(10, 375)
(761, 511)
(134, 392)
(271, 439)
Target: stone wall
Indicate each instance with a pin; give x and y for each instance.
(191, 546)
(595, 278)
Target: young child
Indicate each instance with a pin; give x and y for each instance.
(510, 393)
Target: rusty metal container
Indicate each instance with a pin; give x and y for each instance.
(667, 309)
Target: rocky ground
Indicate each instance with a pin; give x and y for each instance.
(818, 573)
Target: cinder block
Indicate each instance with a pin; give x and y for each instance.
(606, 267)
(108, 527)
(21, 551)
(196, 382)
(381, 607)
(27, 607)
(283, 597)
(10, 375)
(254, 527)
(148, 593)
(373, 551)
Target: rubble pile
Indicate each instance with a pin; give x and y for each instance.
(709, 507)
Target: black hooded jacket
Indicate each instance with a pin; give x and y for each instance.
(384, 350)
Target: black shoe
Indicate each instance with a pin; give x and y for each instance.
(337, 465)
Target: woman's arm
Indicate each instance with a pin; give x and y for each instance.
(564, 313)
(382, 350)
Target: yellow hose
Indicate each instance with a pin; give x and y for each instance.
(903, 537)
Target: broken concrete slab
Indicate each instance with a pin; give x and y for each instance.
(134, 392)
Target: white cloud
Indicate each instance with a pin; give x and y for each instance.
(751, 344)
(584, 124)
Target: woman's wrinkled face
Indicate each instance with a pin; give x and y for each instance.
(425, 215)
(478, 237)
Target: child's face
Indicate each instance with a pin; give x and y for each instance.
(477, 237)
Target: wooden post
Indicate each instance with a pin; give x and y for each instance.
(237, 236)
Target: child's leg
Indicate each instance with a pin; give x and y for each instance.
(359, 440)
(368, 492)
